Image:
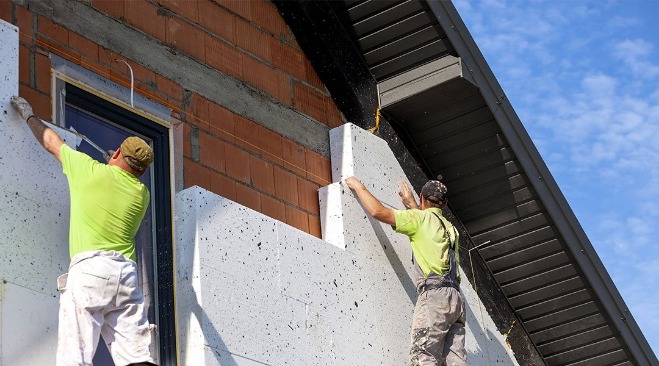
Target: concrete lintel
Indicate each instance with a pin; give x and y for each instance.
(231, 93)
(422, 78)
(109, 89)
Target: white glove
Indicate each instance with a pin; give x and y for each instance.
(22, 106)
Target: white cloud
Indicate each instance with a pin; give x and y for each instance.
(583, 80)
(634, 53)
(623, 22)
(633, 48)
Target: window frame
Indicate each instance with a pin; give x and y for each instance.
(161, 195)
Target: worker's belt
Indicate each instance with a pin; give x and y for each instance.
(435, 286)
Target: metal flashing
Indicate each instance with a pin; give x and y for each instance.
(420, 79)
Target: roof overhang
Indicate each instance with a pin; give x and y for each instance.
(445, 113)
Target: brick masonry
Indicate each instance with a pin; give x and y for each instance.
(247, 40)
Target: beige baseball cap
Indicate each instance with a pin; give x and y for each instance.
(137, 153)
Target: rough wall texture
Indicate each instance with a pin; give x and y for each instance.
(253, 111)
(33, 228)
(256, 291)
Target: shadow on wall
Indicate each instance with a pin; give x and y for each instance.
(394, 260)
(270, 288)
(482, 347)
(210, 332)
(194, 310)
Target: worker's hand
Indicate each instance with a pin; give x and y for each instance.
(406, 196)
(22, 106)
(353, 183)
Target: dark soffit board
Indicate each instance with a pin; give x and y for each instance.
(393, 36)
(500, 189)
(559, 276)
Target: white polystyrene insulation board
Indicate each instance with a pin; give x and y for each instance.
(34, 218)
(268, 294)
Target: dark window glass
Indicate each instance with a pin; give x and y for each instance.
(108, 125)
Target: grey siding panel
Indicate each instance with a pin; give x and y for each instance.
(489, 190)
(537, 264)
(608, 347)
(551, 305)
(470, 166)
(494, 205)
(418, 23)
(387, 16)
(516, 243)
(403, 44)
(511, 214)
(546, 293)
(606, 359)
(469, 150)
(539, 280)
(576, 340)
(502, 233)
(542, 250)
(561, 317)
(572, 328)
(472, 126)
(358, 10)
(442, 121)
(475, 179)
(412, 57)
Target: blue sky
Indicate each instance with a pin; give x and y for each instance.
(583, 76)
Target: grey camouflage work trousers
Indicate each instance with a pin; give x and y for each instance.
(438, 329)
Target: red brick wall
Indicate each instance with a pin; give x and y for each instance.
(245, 39)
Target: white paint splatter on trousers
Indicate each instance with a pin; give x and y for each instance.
(102, 297)
(438, 329)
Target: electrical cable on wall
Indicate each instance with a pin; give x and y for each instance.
(132, 81)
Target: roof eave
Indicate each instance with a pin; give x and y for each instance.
(542, 180)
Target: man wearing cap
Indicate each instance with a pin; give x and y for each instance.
(438, 323)
(100, 293)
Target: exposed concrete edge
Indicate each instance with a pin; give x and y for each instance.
(232, 94)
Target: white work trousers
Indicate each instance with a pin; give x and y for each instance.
(102, 296)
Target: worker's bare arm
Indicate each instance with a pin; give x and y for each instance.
(46, 136)
(406, 196)
(372, 205)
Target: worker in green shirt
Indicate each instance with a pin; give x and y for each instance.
(100, 293)
(438, 323)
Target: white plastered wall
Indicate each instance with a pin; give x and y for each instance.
(254, 291)
(34, 223)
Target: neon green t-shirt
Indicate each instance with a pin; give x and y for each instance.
(429, 243)
(107, 205)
